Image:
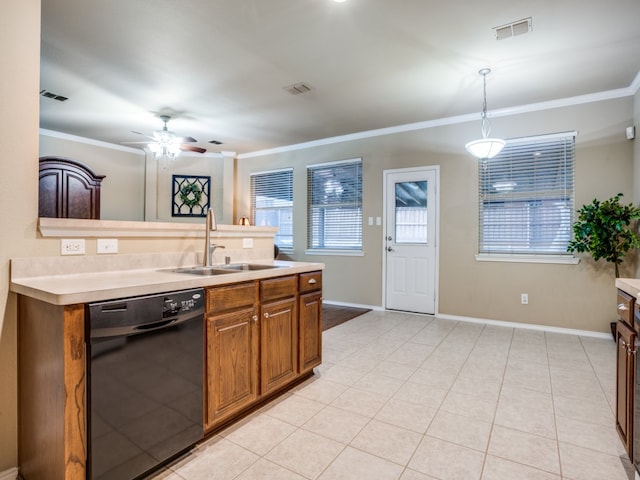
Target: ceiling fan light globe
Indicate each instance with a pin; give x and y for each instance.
(155, 147)
(485, 147)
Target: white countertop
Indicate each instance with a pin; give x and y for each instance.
(106, 283)
(629, 285)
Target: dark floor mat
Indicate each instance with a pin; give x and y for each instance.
(333, 315)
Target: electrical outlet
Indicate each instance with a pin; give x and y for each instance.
(524, 298)
(107, 245)
(247, 243)
(72, 246)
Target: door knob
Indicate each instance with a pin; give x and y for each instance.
(389, 249)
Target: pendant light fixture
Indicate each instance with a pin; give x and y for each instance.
(485, 147)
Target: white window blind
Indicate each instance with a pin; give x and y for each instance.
(334, 192)
(526, 197)
(272, 204)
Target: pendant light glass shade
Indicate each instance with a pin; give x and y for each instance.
(485, 147)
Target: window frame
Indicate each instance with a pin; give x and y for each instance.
(527, 200)
(357, 183)
(283, 248)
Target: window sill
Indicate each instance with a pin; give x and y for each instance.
(558, 259)
(337, 253)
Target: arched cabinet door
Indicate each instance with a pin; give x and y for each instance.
(68, 189)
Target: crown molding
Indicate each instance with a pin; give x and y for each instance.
(458, 119)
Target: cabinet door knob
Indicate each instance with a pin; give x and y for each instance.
(266, 314)
(312, 281)
(623, 307)
(254, 318)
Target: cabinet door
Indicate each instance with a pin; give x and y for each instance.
(232, 363)
(625, 337)
(310, 326)
(278, 343)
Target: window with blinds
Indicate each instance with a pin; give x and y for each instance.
(334, 192)
(272, 204)
(526, 197)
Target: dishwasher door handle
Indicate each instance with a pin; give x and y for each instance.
(155, 325)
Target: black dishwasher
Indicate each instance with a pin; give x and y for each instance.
(145, 382)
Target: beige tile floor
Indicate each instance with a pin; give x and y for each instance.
(410, 397)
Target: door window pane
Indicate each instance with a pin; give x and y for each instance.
(411, 212)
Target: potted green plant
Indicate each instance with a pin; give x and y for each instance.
(605, 230)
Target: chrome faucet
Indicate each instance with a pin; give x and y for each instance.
(209, 248)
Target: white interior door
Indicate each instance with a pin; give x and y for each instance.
(410, 241)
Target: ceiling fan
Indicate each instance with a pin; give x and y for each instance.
(165, 143)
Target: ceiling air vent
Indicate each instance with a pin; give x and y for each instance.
(298, 88)
(215, 142)
(512, 29)
(55, 96)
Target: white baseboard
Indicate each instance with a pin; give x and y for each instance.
(526, 326)
(354, 305)
(486, 321)
(11, 474)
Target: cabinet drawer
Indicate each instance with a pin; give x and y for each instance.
(310, 281)
(279, 287)
(625, 306)
(230, 297)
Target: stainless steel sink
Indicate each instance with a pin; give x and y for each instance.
(246, 266)
(223, 269)
(206, 271)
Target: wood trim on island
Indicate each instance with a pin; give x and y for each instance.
(51, 389)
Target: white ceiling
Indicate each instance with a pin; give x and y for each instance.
(219, 66)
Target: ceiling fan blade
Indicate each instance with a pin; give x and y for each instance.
(136, 143)
(144, 135)
(188, 140)
(192, 148)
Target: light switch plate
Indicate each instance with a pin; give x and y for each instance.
(631, 132)
(107, 245)
(72, 246)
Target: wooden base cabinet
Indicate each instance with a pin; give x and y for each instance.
(261, 337)
(625, 383)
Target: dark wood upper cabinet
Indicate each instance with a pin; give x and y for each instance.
(68, 189)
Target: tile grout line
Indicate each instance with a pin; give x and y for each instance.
(495, 411)
(553, 406)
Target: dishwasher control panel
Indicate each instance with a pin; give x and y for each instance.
(178, 303)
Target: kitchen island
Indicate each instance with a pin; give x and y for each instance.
(262, 331)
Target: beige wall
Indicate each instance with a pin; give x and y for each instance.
(19, 86)
(572, 296)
